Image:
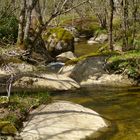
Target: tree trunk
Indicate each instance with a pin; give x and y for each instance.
(28, 21)
(110, 25)
(102, 20)
(21, 23)
(134, 14)
(125, 24)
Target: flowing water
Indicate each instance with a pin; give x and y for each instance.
(122, 107)
(83, 48)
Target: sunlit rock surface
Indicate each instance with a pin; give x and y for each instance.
(62, 121)
(46, 81)
(91, 71)
(65, 56)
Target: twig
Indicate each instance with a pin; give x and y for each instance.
(9, 85)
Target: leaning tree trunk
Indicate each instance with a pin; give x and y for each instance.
(28, 21)
(27, 27)
(21, 23)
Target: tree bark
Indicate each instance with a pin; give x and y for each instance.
(134, 14)
(28, 21)
(125, 23)
(110, 26)
(21, 23)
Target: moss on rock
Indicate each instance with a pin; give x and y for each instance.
(61, 34)
(7, 128)
(58, 40)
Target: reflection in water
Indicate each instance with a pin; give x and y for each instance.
(122, 107)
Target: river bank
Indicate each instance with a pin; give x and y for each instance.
(91, 68)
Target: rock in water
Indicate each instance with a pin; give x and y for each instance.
(102, 38)
(65, 56)
(58, 40)
(62, 121)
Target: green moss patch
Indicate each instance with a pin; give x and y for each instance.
(15, 110)
(74, 61)
(61, 34)
(127, 63)
(125, 56)
(7, 128)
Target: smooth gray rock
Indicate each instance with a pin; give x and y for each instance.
(92, 41)
(63, 57)
(102, 38)
(91, 71)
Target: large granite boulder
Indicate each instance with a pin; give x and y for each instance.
(85, 69)
(91, 71)
(63, 121)
(58, 40)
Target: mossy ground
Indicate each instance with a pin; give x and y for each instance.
(15, 110)
(126, 63)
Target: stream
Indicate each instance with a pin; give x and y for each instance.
(83, 48)
(122, 107)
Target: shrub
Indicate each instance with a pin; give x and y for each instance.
(8, 29)
(127, 63)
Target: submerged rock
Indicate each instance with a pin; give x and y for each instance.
(62, 121)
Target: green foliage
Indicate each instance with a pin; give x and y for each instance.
(86, 26)
(89, 29)
(103, 48)
(8, 29)
(20, 104)
(127, 63)
(137, 44)
(7, 128)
